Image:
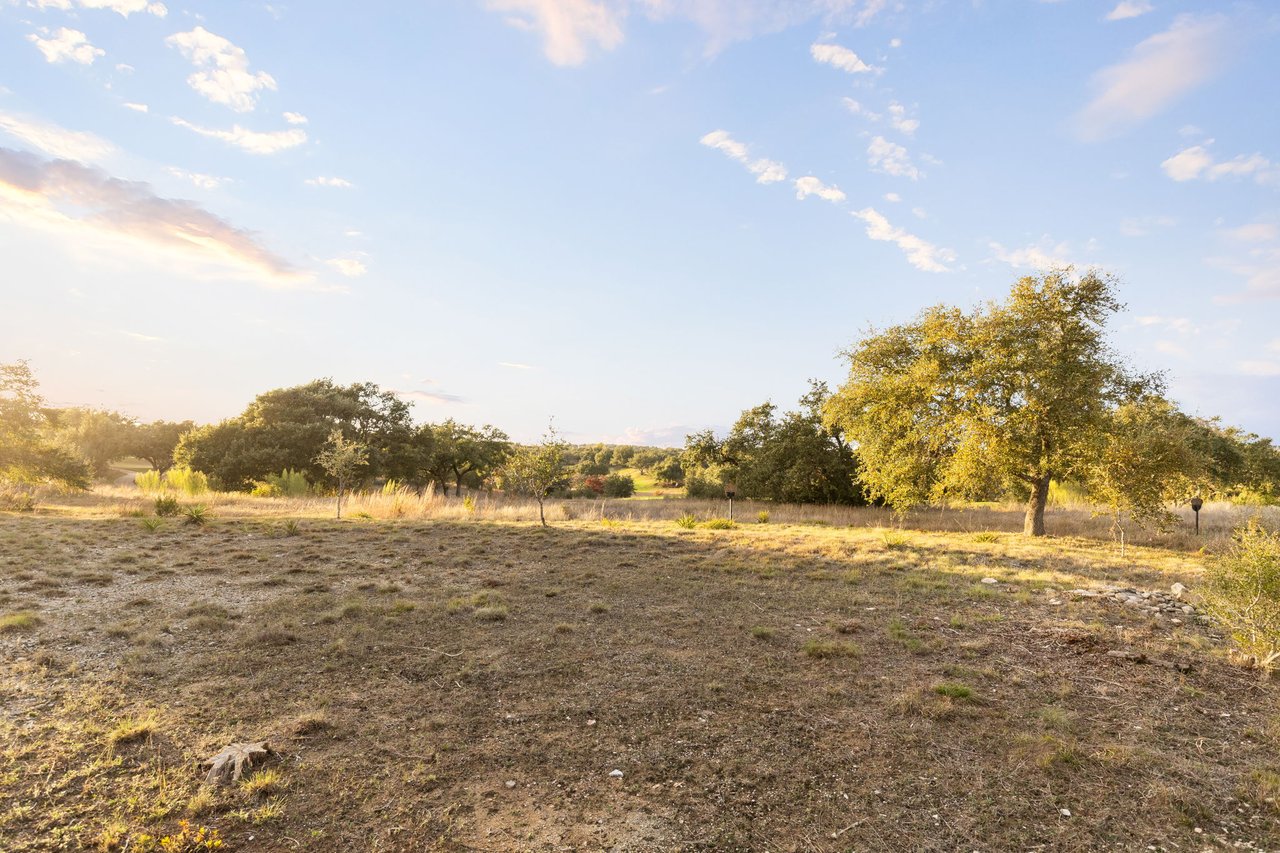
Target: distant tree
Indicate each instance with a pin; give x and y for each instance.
(794, 458)
(669, 471)
(618, 486)
(99, 437)
(1008, 396)
(342, 460)
(288, 427)
(535, 470)
(1144, 459)
(460, 451)
(27, 456)
(155, 442)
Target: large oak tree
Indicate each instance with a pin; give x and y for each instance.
(1006, 397)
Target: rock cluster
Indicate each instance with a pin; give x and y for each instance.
(1171, 605)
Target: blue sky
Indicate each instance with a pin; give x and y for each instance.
(636, 216)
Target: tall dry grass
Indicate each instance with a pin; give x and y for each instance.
(1217, 520)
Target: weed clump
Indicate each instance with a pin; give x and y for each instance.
(24, 620)
(688, 521)
(953, 690)
(1242, 591)
(720, 524)
(167, 505)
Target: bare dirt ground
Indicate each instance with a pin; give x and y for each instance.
(456, 685)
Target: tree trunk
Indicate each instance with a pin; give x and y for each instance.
(541, 515)
(1034, 524)
(339, 499)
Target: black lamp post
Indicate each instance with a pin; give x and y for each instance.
(1196, 503)
(730, 489)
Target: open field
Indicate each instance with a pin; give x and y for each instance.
(465, 680)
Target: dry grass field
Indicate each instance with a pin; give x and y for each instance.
(463, 679)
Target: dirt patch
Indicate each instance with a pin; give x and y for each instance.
(407, 714)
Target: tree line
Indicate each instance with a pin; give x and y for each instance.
(992, 403)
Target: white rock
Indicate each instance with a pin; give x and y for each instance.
(616, 774)
(1065, 812)
(511, 783)
(990, 580)
(1177, 590)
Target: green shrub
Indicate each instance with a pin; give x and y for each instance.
(197, 514)
(151, 524)
(149, 482)
(953, 690)
(699, 487)
(720, 524)
(185, 480)
(688, 521)
(762, 517)
(619, 486)
(287, 484)
(167, 505)
(1242, 591)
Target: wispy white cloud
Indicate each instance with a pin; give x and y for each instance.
(1129, 9)
(920, 253)
(94, 211)
(515, 365)
(66, 45)
(54, 140)
(141, 338)
(1159, 70)
(893, 197)
(1197, 162)
(1254, 232)
(436, 397)
(1259, 266)
(223, 74)
(350, 267)
(137, 108)
(858, 109)
(204, 182)
(892, 159)
(570, 29)
(766, 171)
(295, 118)
(842, 58)
(810, 185)
(255, 142)
(898, 118)
(1043, 255)
(1259, 367)
(1181, 325)
(1141, 226)
(124, 8)
(322, 181)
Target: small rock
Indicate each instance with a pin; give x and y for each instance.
(511, 783)
(591, 722)
(1065, 812)
(616, 774)
(1187, 608)
(990, 580)
(1055, 601)
(1177, 590)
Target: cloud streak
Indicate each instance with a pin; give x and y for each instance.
(255, 142)
(222, 74)
(54, 140)
(66, 45)
(841, 58)
(83, 203)
(920, 253)
(1159, 70)
(1197, 162)
(766, 171)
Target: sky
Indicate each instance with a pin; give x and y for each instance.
(637, 217)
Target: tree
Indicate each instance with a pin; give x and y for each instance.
(1003, 398)
(1143, 460)
(27, 456)
(535, 470)
(156, 441)
(288, 427)
(99, 437)
(342, 459)
(795, 457)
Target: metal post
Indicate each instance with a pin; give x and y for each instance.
(1196, 503)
